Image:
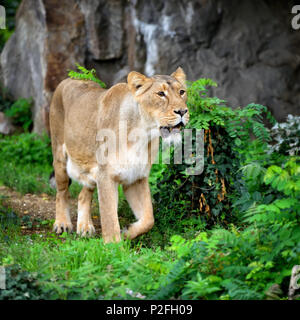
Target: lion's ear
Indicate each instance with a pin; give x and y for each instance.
(179, 75)
(138, 83)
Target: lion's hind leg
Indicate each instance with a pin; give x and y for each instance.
(84, 221)
(62, 220)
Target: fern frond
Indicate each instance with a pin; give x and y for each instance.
(173, 281)
(85, 74)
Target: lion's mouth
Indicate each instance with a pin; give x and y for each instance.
(167, 130)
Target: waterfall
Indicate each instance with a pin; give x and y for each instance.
(149, 32)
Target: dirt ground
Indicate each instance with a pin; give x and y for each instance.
(40, 207)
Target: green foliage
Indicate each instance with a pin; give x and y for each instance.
(26, 178)
(20, 113)
(249, 259)
(26, 162)
(21, 285)
(85, 75)
(244, 263)
(227, 135)
(8, 218)
(72, 268)
(26, 148)
(286, 136)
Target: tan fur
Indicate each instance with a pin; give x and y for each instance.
(78, 111)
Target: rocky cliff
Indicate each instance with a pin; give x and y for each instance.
(248, 47)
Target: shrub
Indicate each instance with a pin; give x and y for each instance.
(227, 134)
(251, 261)
(20, 113)
(21, 285)
(8, 218)
(26, 162)
(26, 148)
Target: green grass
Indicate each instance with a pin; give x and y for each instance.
(69, 267)
(31, 178)
(26, 179)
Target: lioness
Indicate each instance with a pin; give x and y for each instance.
(79, 111)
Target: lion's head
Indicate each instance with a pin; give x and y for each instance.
(163, 98)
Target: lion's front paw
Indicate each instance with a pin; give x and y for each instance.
(85, 228)
(112, 238)
(61, 226)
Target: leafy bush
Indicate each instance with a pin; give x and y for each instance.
(26, 178)
(26, 162)
(249, 261)
(20, 113)
(8, 218)
(227, 134)
(21, 285)
(26, 148)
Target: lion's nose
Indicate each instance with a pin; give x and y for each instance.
(181, 112)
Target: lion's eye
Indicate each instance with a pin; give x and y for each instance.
(161, 94)
(181, 92)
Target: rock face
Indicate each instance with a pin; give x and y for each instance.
(22, 59)
(248, 47)
(48, 40)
